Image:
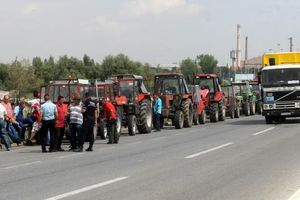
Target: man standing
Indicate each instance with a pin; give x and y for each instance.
(89, 120)
(157, 110)
(49, 115)
(110, 116)
(60, 122)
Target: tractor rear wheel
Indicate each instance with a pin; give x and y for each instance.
(202, 117)
(222, 112)
(247, 108)
(188, 113)
(237, 112)
(252, 108)
(132, 127)
(145, 117)
(214, 113)
(178, 119)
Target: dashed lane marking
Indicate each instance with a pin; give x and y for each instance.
(21, 165)
(295, 196)
(209, 150)
(266, 130)
(84, 189)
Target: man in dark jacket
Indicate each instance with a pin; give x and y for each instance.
(89, 120)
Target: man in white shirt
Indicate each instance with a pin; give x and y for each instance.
(3, 132)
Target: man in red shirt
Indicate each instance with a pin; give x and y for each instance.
(60, 122)
(111, 121)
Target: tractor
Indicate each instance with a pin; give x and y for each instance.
(176, 99)
(256, 89)
(212, 96)
(199, 116)
(232, 102)
(133, 103)
(243, 91)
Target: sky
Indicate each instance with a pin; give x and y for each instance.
(153, 31)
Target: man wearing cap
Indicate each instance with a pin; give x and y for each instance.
(49, 115)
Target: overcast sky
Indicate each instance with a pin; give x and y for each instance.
(154, 31)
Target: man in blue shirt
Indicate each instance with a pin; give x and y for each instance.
(49, 115)
(157, 110)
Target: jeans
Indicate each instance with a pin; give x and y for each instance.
(12, 132)
(156, 122)
(4, 134)
(88, 132)
(76, 136)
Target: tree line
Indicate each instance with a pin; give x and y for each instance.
(24, 77)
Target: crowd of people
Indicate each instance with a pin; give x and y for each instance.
(47, 123)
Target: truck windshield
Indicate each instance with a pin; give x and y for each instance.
(281, 77)
(167, 85)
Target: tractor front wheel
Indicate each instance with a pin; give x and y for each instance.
(132, 127)
(178, 119)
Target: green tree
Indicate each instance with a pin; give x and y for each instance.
(208, 63)
(189, 68)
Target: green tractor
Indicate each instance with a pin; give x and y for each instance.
(246, 97)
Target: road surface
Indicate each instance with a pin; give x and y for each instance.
(239, 159)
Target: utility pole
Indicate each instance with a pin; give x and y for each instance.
(238, 51)
(246, 54)
(291, 44)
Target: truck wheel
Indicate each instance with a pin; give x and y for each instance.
(202, 117)
(178, 119)
(145, 117)
(214, 113)
(132, 127)
(188, 113)
(237, 112)
(247, 109)
(252, 108)
(269, 120)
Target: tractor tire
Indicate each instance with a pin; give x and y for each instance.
(269, 120)
(102, 130)
(196, 118)
(222, 112)
(202, 117)
(231, 114)
(178, 119)
(145, 117)
(237, 112)
(214, 113)
(247, 108)
(259, 107)
(188, 113)
(132, 127)
(252, 108)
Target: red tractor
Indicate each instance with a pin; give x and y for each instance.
(133, 102)
(176, 99)
(212, 96)
(199, 116)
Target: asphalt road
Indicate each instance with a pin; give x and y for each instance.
(239, 159)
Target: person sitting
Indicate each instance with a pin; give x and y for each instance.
(37, 124)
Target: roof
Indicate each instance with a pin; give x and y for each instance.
(169, 74)
(127, 76)
(284, 66)
(206, 75)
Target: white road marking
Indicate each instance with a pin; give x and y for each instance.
(209, 150)
(22, 165)
(91, 187)
(72, 155)
(266, 130)
(295, 196)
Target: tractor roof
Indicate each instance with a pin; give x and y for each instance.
(206, 75)
(169, 74)
(73, 81)
(127, 76)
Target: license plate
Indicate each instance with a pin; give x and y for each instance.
(286, 114)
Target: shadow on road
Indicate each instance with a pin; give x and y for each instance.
(248, 122)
